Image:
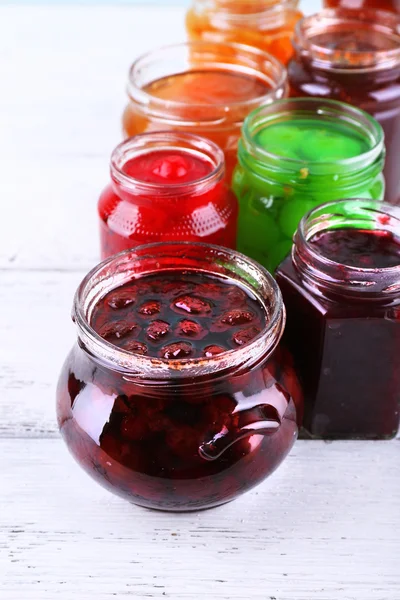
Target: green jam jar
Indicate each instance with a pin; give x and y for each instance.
(294, 155)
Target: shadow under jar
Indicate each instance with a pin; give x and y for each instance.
(341, 288)
(264, 24)
(297, 154)
(203, 88)
(178, 395)
(354, 56)
(166, 186)
(392, 5)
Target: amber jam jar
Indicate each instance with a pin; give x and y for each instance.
(265, 24)
(203, 88)
(392, 5)
(354, 56)
(341, 288)
(166, 186)
(178, 433)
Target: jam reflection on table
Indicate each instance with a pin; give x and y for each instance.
(265, 24)
(166, 187)
(226, 415)
(295, 155)
(342, 293)
(354, 56)
(392, 5)
(204, 88)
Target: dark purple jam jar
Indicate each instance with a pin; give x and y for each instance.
(178, 395)
(341, 288)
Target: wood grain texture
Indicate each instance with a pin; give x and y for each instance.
(324, 526)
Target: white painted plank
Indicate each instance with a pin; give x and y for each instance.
(323, 527)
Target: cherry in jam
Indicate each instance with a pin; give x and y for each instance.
(179, 315)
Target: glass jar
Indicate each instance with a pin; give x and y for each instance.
(166, 186)
(341, 288)
(201, 431)
(204, 88)
(297, 154)
(354, 56)
(265, 24)
(392, 5)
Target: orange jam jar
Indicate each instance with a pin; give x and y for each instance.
(265, 24)
(202, 88)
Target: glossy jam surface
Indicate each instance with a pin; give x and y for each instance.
(252, 23)
(354, 73)
(348, 367)
(152, 208)
(194, 91)
(272, 201)
(366, 249)
(179, 315)
(179, 443)
(391, 5)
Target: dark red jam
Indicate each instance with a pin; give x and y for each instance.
(357, 248)
(189, 442)
(344, 335)
(179, 315)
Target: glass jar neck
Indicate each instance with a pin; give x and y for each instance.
(197, 57)
(343, 40)
(342, 174)
(324, 277)
(164, 257)
(253, 14)
(129, 188)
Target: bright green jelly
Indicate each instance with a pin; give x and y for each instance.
(295, 155)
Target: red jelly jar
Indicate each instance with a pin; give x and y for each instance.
(354, 56)
(178, 395)
(166, 186)
(341, 287)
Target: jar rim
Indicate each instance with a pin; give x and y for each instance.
(144, 143)
(105, 276)
(268, 12)
(228, 50)
(354, 213)
(343, 61)
(316, 107)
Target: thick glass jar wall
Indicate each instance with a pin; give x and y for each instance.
(179, 435)
(274, 191)
(354, 57)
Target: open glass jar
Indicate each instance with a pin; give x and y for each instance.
(296, 154)
(203, 88)
(166, 186)
(341, 288)
(354, 56)
(179, 433)
(265, 24)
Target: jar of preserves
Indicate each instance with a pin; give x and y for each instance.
(203, 88)
(178, 395)
(297, 154)
(354, 56)
(265, 24)
(341, 288)
(166, 186)
(392, 5)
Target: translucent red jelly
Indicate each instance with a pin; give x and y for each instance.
(348, 312)
(203, 426)
(178, 315)
(172, 189)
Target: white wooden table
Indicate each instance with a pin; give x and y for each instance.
(326, 526)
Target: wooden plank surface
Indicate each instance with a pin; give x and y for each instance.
(317, 529)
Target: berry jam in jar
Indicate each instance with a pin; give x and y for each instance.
(178, 394)
(166, 186)
(354, 56)
(341, 288)
(391, 5)
(264, 24)
(297, 154)
(204, 88)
